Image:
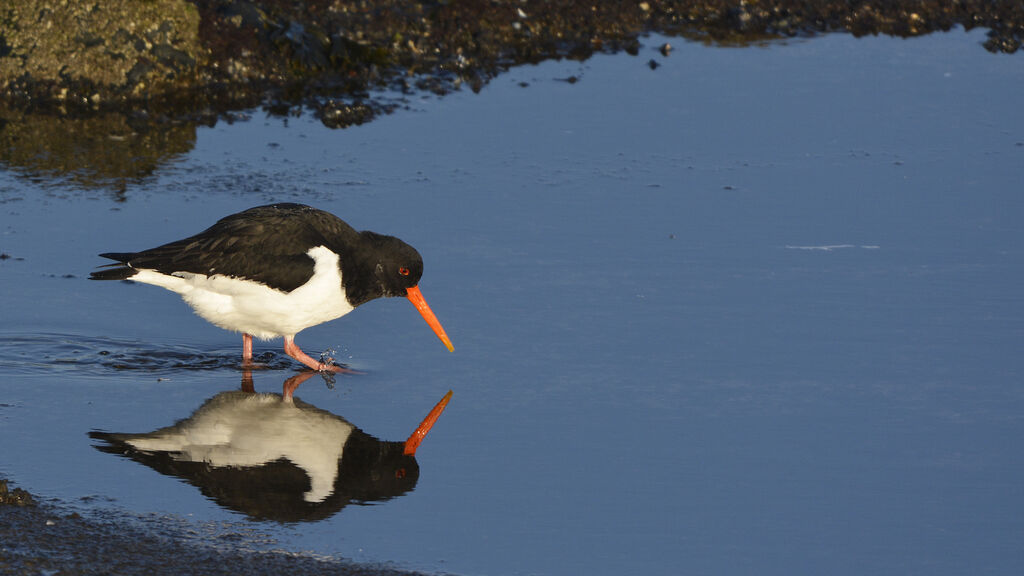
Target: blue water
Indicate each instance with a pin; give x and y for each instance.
(757, 311)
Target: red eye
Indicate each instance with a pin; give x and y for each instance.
(403, 271)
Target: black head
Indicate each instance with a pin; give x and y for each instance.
(384, 266)
(387, 267)
(398, 267)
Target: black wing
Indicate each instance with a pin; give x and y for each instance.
(267, 244)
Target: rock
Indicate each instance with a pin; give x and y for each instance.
(173, 57)
(16, 497)
(98, 51)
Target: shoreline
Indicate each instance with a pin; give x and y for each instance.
(46, 537)
(192, 59)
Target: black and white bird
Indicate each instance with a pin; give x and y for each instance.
(272, 271)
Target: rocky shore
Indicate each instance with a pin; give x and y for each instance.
(104, 93)
(193, 56)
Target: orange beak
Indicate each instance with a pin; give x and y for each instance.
(414, 296)
(421, 432)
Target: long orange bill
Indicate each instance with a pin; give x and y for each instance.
(421, 432)
(414, 296)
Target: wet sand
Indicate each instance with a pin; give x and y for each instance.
(51, 538)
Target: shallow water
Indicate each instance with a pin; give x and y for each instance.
(755, 311)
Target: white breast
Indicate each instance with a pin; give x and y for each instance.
(256, 309)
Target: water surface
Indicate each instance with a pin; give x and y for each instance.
(755, 311)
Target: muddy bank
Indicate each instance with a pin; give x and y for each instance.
(48, 538)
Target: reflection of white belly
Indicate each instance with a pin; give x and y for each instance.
(247, 430)
(254, 308)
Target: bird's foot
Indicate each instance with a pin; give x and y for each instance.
(330, 367)
(325, 364)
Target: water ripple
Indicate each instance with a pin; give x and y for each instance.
(32, 353)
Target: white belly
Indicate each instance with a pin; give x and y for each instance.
(256, 309)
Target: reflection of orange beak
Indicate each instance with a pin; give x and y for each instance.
(414, 296)
(417, 436)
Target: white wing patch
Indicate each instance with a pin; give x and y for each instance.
(255, 308)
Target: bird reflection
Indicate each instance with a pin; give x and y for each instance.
(275, 457)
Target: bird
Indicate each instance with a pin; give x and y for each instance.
(275, 270)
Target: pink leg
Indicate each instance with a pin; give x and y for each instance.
(292, 349)
(246, 350)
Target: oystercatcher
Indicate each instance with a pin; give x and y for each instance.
(272, 271)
